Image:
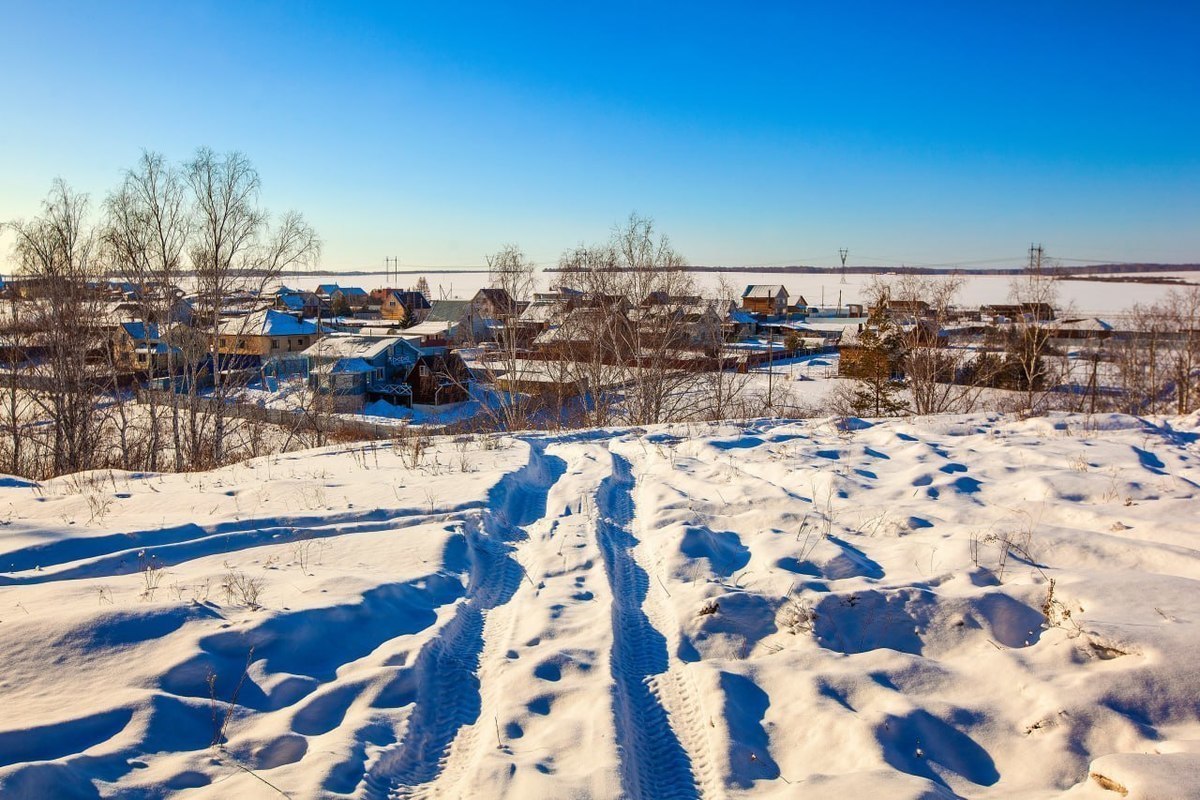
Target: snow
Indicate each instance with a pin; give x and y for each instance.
(431, 329)
(827, 608)
(268, 322)
(348, 345)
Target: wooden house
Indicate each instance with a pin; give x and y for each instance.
(406, 306)
(769, 299)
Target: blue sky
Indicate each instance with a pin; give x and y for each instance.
(918, 133)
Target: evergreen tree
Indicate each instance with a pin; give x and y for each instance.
(878, 393)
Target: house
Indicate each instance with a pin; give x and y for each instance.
(903, 308)
(1025, 312)
(138, 347)
(302, 304)
(431, 333)
(769, 299)
(407, 306)
(264, 333)
(489, 311)
(798, 306)
(586, 332)
(356, 370)
(480, 318)
(450, 311)
(547, 309)
(690, 320)
(351, 299)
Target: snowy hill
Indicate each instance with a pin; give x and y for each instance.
(966, 606)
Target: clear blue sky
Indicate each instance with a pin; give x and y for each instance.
(754, 133)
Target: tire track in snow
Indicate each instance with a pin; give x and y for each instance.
(449, 696)
(654, 764)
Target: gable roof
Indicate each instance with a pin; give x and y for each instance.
(267, 322)
(432, 328)
(293, 302)
(765, 290)
(448, 310)
(409, 299)
(350, 345)
(140, 331)
(498, 297)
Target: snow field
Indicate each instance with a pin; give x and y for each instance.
(769, 608)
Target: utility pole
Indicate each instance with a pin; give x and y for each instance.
(771, 369)
(843, 253)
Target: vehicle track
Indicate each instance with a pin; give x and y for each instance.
(654, 763)
(449, 698)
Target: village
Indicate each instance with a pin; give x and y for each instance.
(400, 354)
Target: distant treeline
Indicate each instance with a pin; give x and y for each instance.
(1094, 269)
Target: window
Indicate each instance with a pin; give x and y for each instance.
(274, 344)
(241, 343)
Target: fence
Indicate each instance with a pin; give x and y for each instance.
(337, 426)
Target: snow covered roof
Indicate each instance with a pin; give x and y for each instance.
(431, 328)
(1088, 324)
(540, 311)
(267, 322)
(765, 290)
(346, 345)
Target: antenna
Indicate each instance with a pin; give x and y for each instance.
(843, 252)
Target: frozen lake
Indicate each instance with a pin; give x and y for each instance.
(1084, 297)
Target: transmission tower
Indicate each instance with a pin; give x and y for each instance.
(1035, 258)
(388, 264)
(843, 253)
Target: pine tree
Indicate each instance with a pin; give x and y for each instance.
(878, 393)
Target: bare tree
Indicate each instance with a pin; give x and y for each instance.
(234, 249)
(1158, 364)
(636, 336)
(145, 234)
(16, 404)
(57, 252)
(935, 367)
(505, 361)
(1030, 363)
(723, 391)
